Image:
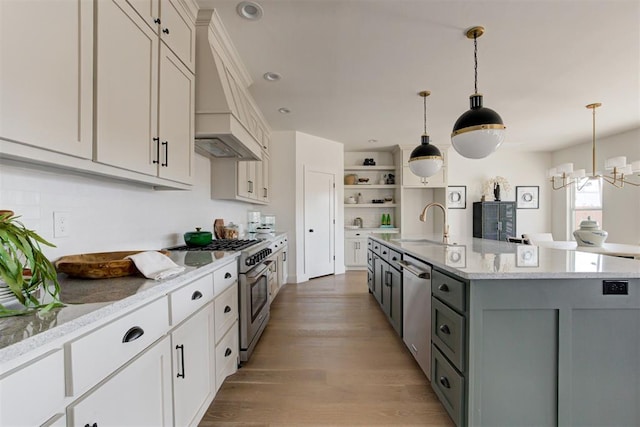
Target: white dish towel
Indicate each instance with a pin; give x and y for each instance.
(155, 265)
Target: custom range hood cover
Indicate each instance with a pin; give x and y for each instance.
(220, 97)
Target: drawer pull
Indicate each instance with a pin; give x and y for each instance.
(181, 348)
(384, 252)
(445, 329)
(133, 334)
(165, 30)
(91, 425)
(443, 288)
(157, 21)
(227, 309)
(227, 352)
(445, 382)
(196, 295)
(227, 275)
(394, 259)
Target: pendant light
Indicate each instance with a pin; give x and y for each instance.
(425, 159)
(479, 131)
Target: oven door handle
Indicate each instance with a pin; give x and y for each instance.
(257, 271)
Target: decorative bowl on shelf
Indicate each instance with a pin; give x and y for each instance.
(363, 180)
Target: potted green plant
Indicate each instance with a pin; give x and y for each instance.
(24, 269)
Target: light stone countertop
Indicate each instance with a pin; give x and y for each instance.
(91, 301)
(479, 259)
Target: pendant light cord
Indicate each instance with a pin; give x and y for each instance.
(424, 98)
(475, 59)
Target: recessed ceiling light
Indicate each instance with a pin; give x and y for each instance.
(284, 110)
(373, 140)
(270, 76)
(249, 10)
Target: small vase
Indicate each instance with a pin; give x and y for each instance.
(496, 192)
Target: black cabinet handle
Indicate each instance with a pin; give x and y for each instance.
(133, 334)
(91, 425)
(157, 141)
(384, 252)
(388, 281)
(445, 329)
(227, 352)
(165, 30)
(165, 144)
(181, 348)
(311, 230)
(157, 20)
(443, 288)
(227, 309)
(394, 259)
(445, 382)
(227, 275)
(196, 295)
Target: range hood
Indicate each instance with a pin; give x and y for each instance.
(221, 110)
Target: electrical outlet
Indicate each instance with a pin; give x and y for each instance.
(615, 287)
(61, 224)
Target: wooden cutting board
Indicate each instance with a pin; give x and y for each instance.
(218, 228)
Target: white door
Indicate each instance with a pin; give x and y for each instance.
(318, 223)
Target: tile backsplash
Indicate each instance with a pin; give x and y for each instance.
(107, 215)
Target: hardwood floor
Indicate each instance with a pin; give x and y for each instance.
(327, 358)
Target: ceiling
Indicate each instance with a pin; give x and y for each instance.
(351, 69)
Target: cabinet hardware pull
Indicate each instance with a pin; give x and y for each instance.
(394, 259)
(165, 30)
(443, 288)
(91, 425)
(165, 144)
(384, 252)
(311, 230)
(196, 295)
(445, 382)
(445, 329)
(265, 192)
(157, 141)
(414, 348)
(227, 352)
(157, 20)
(284, 256)
(227, 275)
(133, 334)
(181, 348)
(227, 309)
(250, 184)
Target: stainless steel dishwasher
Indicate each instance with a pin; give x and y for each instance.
(416, 320)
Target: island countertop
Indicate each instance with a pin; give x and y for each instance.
(476, 259)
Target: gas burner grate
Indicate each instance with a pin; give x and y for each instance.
(229, 245)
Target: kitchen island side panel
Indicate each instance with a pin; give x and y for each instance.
(557, 350)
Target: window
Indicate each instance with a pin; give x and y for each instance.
(586, 201)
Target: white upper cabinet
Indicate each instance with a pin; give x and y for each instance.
(126, 89)
(176, 118)
(141, 125)
(46, 89)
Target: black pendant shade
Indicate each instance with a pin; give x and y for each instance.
(425, 150)
(477, 115)
(426, 159)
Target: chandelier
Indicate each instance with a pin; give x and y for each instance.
(619, 172)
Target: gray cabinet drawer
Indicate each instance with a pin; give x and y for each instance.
(384, 252)
(394, 257)
(376, 247)
(448, 385)
(448, 332)
(370, 244)
(449, 290)
(370, 258)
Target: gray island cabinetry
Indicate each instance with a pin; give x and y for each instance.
(523, 335)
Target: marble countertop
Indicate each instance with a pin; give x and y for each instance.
(477, 259)
(89, 301)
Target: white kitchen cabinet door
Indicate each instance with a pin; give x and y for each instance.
(126, 89)
(193, 367)
(42, 380)
(355, 253)
(265, 190)
(47, 74)
(247, 180)
(176, 118)
(149, 10)
(178, 32)
(137, 395)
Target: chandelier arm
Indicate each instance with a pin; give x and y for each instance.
(564, 183)
(626, 181)
(615, 182)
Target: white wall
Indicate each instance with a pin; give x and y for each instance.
(520, 168)
(108, 215)
(621, 207)
(292, 152)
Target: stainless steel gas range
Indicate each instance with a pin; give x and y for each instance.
(253, 285)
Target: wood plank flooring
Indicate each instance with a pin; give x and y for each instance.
(327, 358)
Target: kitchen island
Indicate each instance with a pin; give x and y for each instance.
(526, 335)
